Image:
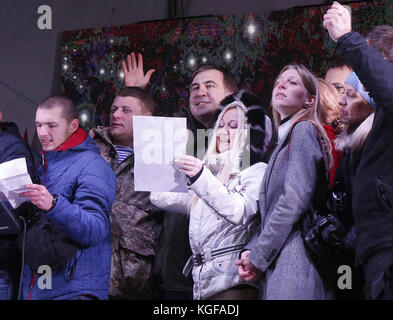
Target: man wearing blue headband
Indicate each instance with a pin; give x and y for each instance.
(372, 200)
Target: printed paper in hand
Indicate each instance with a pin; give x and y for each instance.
(157, 142)
(13, 179)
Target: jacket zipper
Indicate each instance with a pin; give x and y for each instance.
(45, 164)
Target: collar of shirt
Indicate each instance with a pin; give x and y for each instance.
(283, 129)
(123, 152)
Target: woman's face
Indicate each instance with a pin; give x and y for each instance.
(227, 130)
(354, 108)
(289, 93)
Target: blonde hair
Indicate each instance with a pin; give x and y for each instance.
(308, 113)
(226, 165)
(229, 161)
(329, 110)
(355, 140)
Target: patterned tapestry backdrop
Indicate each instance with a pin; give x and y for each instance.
(253, 46)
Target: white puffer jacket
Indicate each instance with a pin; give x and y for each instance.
(222, 217)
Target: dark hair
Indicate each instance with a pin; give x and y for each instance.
(230, 81)
(339, 63)
(381, 38)
(140, 94)
(69, 110)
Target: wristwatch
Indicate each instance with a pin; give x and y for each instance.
(54, 201)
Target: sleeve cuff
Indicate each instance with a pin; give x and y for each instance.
(344, 37)
(195, 178)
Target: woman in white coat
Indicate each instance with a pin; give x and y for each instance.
(223, 200)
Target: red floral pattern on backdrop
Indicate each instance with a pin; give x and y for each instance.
(253, 46)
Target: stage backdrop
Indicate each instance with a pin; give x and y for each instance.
(253, 46)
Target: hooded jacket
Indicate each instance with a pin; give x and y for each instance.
(85, 185)
(260, 125)
(224, 216)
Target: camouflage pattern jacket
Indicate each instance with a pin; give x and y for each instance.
(135, 227)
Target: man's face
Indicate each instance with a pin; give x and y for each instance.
(337, 77)
(122, 111)
(206, 92)
(52, 128)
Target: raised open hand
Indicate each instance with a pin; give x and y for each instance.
(134, 75)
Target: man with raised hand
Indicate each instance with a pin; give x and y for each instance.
(210, 84)
(68, 243)
(372, 201)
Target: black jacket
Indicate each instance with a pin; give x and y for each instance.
(193, 125)
(373, 181)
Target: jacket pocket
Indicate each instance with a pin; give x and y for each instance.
(131, 272)
(385, 194)
(226, 264)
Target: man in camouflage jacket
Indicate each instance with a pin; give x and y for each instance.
(135, 226)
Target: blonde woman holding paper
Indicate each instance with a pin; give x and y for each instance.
(222, 199)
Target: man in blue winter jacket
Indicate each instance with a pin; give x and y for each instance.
(75, 198)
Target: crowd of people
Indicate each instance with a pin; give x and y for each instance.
(253, 181)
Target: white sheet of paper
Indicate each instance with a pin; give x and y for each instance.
(157, 142)
(13, 179)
